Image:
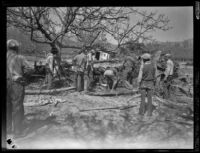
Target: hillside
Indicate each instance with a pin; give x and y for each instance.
(180, 50)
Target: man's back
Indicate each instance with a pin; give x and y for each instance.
(110, 72)
(148, 72)
(15, 65)
(80, 61)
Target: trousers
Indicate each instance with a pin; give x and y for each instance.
(166, 87)
(146, 92)
(49, 79)
(15, 107)
(79, 81)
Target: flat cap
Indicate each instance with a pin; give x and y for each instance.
(146, 56)
(12, 44)
(168, 55)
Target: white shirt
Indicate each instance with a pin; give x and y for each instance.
(170, 68)
(49, 61)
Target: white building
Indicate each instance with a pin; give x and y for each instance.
(101, 56)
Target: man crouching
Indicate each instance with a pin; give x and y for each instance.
(111, 77)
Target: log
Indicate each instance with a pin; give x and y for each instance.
(33, 92)
(169, 102)
(179, 108)
(113, 93)
(119, 107)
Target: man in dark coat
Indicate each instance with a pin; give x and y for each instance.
(146, 80)
(79, 63)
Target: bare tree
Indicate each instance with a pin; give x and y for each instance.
(52, 25)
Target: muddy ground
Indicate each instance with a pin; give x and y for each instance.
(72, 123)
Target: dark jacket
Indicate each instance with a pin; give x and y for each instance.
(148, 72)
(146, 76)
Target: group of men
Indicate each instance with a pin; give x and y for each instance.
(83, 67)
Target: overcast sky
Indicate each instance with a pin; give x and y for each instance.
(181, 19)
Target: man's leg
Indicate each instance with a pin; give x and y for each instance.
(110, 82)
(9, 107)
(115, 81)
(50, 77)
(18, 107)
(169, 80)
(142, 104)
(90, 81)
(82, 81)
(165, 90)
(149, 105)
(76, 81)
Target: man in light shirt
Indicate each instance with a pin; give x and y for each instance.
(111, 75)
(51, 66)
(15, 88)
(168, 75)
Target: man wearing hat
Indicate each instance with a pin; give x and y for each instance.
(146, 80)
(15, 88)
(168, 75)
(79, 63)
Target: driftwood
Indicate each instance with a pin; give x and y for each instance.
(171, 103)
(183, 90)
(33, 92)
(178, 109)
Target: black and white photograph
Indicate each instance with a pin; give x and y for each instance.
(97, 77)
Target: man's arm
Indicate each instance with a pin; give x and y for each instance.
(15, 75)
(140, 73)
(25, 63)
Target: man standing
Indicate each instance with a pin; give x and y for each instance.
(89, 70)
(51, 67)
(168, 75)
(79, 63)
(146, 80)
(15, 88)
